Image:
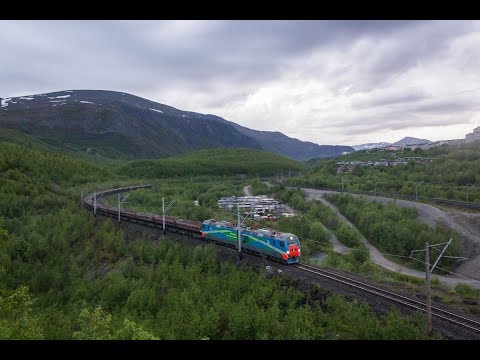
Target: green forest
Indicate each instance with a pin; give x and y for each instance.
(447, 172)
(394, 229)
(213, 162)
(67, 275)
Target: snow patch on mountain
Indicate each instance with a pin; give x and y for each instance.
(4, 102)
(59, 97)
(368, 146)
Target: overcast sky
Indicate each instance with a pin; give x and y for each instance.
(330, 82)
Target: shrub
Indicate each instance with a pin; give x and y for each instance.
(467, 291)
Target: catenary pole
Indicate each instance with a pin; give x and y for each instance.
(163, 212)
(429, 296)
(118, 198)
(239, 233)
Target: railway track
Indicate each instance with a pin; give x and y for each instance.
(190, 228)
(445, 315)
(455, 203)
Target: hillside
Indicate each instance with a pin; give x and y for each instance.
(115, 125)
(369, 146)
(446, 171)
(404, 142)
(411, 141)
(213, 162)
(276, 142)
(64, 275)
(119, 125)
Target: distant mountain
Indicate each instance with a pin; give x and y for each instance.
(370, 146)
(115, 124)
(411, 141)
(405, 141)
(276, 142)
(121, 125)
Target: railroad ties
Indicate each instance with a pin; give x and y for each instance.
(448, 316)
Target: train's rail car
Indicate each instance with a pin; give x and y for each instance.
(172, 224)
(283, 247)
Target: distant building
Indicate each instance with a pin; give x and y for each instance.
(256, 204)
(473, 136)
(394, 147)
(346, 166)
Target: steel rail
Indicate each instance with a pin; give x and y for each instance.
(459, 320)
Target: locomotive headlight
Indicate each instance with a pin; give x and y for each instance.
(288, 252)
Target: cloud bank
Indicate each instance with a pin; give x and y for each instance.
(330, 82)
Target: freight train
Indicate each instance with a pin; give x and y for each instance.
(280, 246)
(283, 247)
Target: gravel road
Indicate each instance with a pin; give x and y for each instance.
(247, 190)
(425, 214)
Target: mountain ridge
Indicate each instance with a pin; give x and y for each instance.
(274, 141)
(407, 140)
(121, 125)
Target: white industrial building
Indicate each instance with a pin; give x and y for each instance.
(257, 204)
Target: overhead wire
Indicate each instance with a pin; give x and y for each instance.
(384, 254)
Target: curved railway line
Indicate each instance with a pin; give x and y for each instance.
(193, 228)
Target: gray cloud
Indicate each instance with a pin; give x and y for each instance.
(445, 107)
(322, 81)
(393, 99)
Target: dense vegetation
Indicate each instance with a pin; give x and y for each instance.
(213, 162)
(394, 229)
(391, 229)
(65, 275)
(453, 172)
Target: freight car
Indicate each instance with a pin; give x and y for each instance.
(284, 247)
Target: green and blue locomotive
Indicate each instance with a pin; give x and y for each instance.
(284, 247)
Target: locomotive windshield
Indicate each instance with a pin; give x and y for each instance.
(292, 240)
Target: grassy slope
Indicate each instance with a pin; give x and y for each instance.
(213, 162)
(17, 137)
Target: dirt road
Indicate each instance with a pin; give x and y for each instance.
(377, 257)
(247, 190)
